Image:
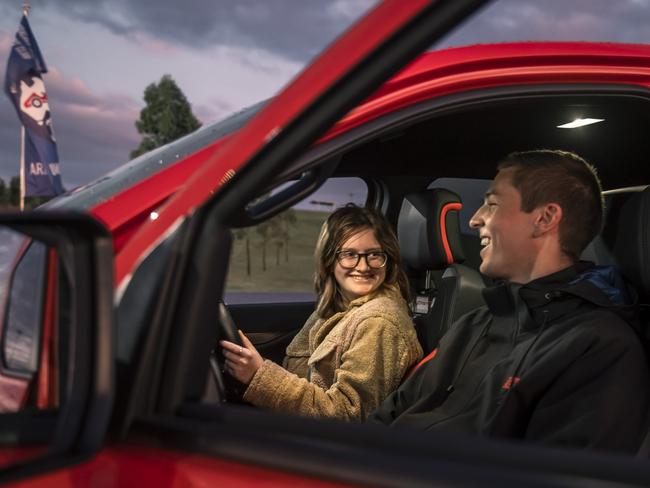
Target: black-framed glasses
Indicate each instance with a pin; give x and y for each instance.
(350, 259)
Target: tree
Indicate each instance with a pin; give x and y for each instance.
(14, 191)
(10, 197)
(4, 194)
(33, 202)
(263, 230)
(277, 230)
(280, 230)
(243, 234)
(166, 116)
(289, 219)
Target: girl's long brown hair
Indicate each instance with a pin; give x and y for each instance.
(338, 228)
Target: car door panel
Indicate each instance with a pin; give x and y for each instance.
(150, 464)
(271, 326)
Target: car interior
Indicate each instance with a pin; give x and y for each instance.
(420, 165)
(407, 159)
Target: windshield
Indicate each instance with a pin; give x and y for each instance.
(142, 167)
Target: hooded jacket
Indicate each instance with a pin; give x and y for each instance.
(343, 366)
(556, 361)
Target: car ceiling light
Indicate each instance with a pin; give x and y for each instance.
(579, 123)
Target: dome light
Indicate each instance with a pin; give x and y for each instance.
(579, 123)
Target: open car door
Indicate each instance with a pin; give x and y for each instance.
(164, 373)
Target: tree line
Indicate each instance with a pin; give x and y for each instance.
(10, 195)
(275, 232)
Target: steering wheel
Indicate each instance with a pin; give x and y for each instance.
(228, 388)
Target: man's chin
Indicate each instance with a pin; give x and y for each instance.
(489, 271)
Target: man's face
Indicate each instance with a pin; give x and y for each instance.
(506, 232)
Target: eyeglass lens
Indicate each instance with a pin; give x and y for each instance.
(350, 259)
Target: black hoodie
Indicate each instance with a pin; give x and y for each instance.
(555, 361)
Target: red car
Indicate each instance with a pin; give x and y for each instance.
(108, 360)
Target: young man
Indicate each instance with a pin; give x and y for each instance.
(554, 357)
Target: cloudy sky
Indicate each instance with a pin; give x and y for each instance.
(225, 55)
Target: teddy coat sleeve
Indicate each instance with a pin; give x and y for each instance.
(370, 369)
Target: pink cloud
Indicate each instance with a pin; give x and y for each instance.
(157, 46)
(6, 41)
(215, 110)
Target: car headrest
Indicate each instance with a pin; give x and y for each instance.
(631, 239)
(429, 229)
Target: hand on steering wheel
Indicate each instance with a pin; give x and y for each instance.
(228, 388)
(242, 362)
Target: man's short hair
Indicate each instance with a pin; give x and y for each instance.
(562, 177)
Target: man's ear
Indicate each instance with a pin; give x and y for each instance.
(548, 219)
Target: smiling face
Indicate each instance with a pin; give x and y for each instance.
(507, 233)
(361, 279)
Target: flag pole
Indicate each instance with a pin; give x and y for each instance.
(22, 168)
(26, 8)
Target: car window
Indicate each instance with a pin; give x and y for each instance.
(274, 260)
(24, 311)
(10, 245)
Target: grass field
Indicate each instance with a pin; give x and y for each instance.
(281, 275)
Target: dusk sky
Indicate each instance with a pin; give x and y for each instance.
(225, 55)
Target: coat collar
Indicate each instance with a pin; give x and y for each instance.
(553, 296)
(545, 296)
(322, 327)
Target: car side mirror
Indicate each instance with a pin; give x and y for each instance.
(56, 335)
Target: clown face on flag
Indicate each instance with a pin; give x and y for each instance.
(25, 87)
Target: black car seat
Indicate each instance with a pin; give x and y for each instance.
(625, 238)
(430, 243)
(625, 242)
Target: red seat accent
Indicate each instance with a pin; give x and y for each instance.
(426, 359)
(443, 229)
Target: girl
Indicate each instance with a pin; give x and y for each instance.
(358, 344)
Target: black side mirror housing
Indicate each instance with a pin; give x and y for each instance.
(75, 290)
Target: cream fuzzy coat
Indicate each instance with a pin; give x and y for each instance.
(342, 367)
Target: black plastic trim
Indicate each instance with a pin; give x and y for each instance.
(381, 456)
(439, 106)
(308, 182)
(85, 249)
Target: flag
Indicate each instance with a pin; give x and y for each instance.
(24, 86)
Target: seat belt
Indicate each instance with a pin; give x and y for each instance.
(425, 297)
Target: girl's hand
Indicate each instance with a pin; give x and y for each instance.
(241, 362)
